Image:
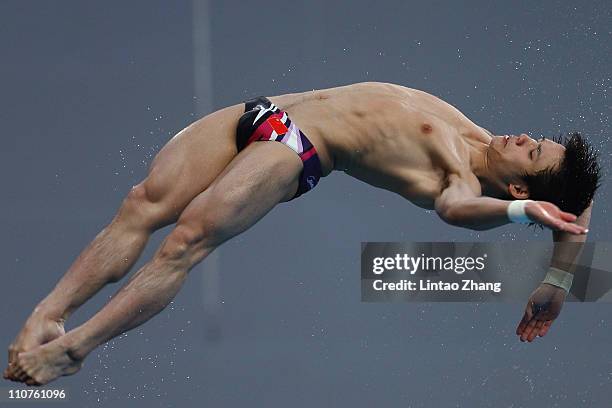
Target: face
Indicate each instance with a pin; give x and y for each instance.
(511, 156)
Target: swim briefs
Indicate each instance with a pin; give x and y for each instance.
(262, 121)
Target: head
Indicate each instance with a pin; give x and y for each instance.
(563, 171)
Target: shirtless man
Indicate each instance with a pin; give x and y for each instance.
(214, 183)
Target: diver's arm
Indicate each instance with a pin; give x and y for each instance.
(546, 301)
(460, 205)
(567, 247)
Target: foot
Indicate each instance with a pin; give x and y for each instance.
(46, 363)
(36, 331)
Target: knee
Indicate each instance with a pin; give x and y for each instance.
(186, 242)
(140, 209)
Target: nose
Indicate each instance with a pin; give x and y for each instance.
(523, 138)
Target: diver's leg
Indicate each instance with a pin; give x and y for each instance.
(184, 167)
(260, 176)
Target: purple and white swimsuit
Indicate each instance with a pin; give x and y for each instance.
(262, 121)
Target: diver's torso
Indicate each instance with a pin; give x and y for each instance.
(400, 139)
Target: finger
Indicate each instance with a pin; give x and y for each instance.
(528, 330)
(573, 228)
(526, 318)
(545, 328)
(536, 329)
(578, 229)
(555, 224)
(522, 324)
(558, 224)
(569, 217)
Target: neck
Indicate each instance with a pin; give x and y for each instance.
(480, 165)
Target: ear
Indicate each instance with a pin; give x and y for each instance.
(518, 191)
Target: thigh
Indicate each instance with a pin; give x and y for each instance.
(259, 177)
(192, 160)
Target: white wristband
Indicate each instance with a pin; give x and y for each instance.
(516, 211)
(559, 278)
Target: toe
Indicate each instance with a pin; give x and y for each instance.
(11, 371)
(21, 375)
(33, 382)
(23, 361)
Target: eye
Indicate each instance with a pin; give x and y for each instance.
(539, 148)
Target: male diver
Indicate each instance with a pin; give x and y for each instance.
(214, 182)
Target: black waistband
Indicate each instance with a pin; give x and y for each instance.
(258, 100)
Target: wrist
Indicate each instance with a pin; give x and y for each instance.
(516, 211)
(559, 278)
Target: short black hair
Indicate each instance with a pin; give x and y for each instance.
(571, 185)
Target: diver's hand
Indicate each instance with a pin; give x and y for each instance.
(543, 307)
(549, 215)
